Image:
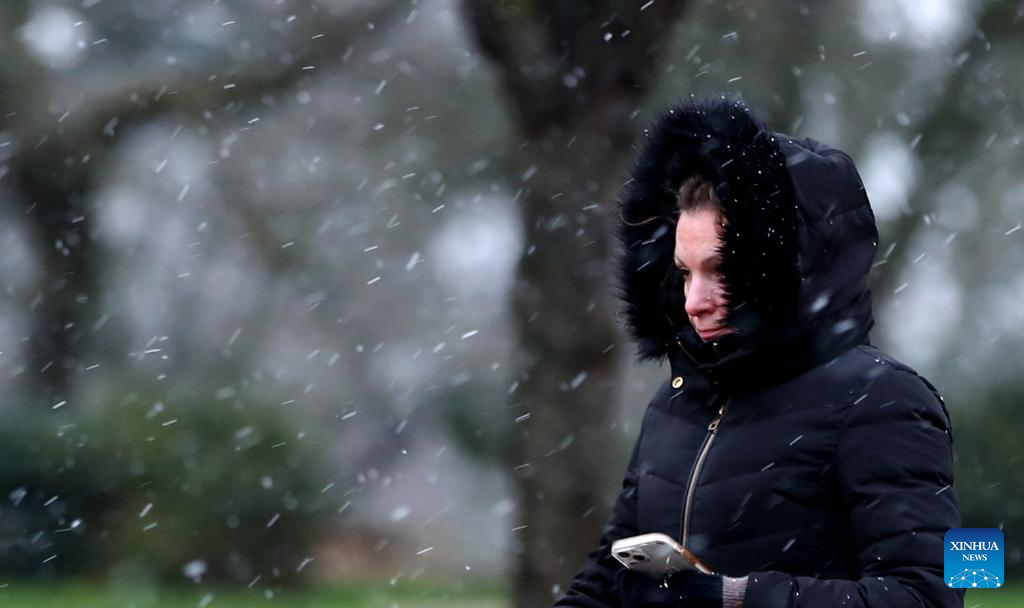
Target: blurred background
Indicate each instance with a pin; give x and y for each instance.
(312, 302)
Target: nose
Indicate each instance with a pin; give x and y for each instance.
(699, 299)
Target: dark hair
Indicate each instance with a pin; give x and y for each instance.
(697, 193)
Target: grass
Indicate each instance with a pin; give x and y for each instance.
(96, 595)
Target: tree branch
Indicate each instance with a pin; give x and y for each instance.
(949, 127)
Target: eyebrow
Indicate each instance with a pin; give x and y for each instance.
(713, 259)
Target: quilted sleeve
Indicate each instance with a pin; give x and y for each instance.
(894, 466)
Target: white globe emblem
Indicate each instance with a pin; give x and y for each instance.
(976, 578)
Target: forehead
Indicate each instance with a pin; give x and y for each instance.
(698, 235)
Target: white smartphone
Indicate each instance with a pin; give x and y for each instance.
(657, 555)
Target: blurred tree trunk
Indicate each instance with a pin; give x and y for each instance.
(574, 75)
(56, 185)
(53, 182)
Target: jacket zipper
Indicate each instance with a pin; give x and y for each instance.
(702, 455)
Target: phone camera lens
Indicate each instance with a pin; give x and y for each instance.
(623, 554)
(640, 558)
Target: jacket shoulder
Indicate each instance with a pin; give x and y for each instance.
(661, 400)
(888, 389)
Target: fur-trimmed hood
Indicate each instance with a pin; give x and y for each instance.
(799, 241)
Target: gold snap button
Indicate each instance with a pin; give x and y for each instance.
(677, 382)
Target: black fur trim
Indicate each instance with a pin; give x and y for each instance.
(722, 141)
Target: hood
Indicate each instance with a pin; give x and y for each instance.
(799, 241)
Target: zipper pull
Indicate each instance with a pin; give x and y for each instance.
(713, 426)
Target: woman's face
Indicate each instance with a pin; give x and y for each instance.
(698, 240)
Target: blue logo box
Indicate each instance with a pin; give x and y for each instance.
(974, 558)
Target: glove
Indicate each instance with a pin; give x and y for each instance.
(686, 589)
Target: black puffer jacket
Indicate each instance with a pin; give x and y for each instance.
(793, 452)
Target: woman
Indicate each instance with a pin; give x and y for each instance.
(800, 463)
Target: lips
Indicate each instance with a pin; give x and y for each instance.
(708, 334)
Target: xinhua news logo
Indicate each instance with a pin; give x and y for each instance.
(974, 558)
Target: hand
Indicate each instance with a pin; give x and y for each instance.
(685, 589)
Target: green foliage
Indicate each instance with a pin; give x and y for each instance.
(142, 487)
(478, 421)
(989, 473)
